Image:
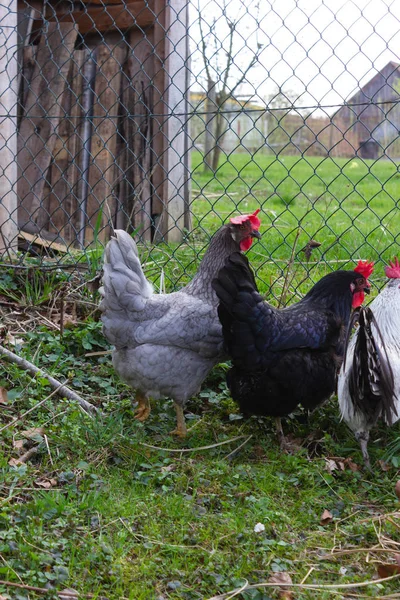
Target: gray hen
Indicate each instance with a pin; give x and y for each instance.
(166, 344)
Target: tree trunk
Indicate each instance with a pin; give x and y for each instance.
(209, 143)
(221, 125)
(8, 126)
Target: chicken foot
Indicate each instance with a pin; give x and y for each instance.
(283, 442)
(180, 430)
(363, 438)
(143, 410)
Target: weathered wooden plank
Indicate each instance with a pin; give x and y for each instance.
(37, 134)
(8, 127)
(102, 171)
(73, 173)
(111, 17)
(177, 124)
(140, 69)
(158, 133)
(54, 198)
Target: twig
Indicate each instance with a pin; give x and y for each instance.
(46, 441)
(18, 419)
(310, 570)
(308, 586)
(238, 591)
(25, 457)
(236, 450)
(62, 390)
(286, 282)
(63, 594)
(354, 551)
(238, 437)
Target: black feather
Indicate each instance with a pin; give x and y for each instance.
(282, 358)
(371, 380)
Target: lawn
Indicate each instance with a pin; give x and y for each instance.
(115, 509)
(349, 206)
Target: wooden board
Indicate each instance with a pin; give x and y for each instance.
(176, 126)
(111, 17)
(8, 127)
(158, 134)
(37, 134)
(60, 199)
(137, 125)
(41, 241)
(101, 202)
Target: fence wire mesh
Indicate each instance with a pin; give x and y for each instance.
(165, 118)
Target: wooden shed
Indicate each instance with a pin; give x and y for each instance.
(368, 124)
(102, 131)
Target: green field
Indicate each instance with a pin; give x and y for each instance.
(116, 509)
(350, 206)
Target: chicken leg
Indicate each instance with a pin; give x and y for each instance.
(363, 437)
(143, 410)
(180, 430)
(283, 442)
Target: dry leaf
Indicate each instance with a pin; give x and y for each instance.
(351, 465)
(46, 483)
(387, 570)
(397, 489)
(383, 465)
(30, 434)
(326, 517)
(309, 247)
(279, 578)
(15, 462)
(341, 464)
(18, 444)
(10, 340)
(3, 396)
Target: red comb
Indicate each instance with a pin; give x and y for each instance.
(393, 270)
(365, 268)
(254, 220)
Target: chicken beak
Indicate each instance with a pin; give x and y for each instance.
(367, 290)
(256, 234)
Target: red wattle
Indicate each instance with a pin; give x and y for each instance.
(358, 299)
(246, 243)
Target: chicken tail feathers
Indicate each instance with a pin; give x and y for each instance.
(371, 380)
(125, 287)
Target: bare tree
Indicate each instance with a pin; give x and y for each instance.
(222, 82)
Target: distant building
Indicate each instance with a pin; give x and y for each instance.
(368, 125)
(247, 124)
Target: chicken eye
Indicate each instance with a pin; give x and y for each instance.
(242, 226)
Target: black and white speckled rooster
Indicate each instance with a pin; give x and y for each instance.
(285, 357)
(166, 344)
(369, 381)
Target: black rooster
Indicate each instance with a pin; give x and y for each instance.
(282, 358)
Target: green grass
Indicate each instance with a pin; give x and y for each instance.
(350, 206)
(99, 511)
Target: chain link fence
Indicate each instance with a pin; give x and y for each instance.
(166, 117)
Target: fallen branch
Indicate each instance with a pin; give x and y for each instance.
(197, 449)
(62, 390)
(236, 450)
(62, 594)
(307, 586)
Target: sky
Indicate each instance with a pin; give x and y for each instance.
(318, 51)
